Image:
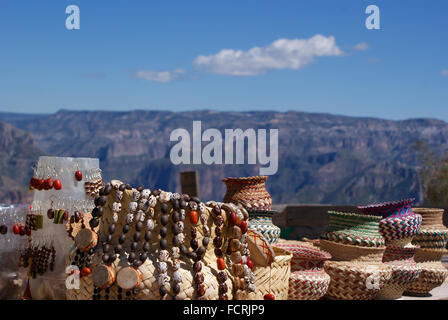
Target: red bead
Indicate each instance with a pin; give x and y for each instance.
(243, 226)
(232, 218)
(249, 263)
(57, 185)
(221, 263)
(22, 230)
(48, 184)
(16, 229)
(85, 271)
(269, 296)
(193, 217)
(78, 175)
(40, 184)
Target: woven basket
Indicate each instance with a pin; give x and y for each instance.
(308, 280)
(400, 229)
(310, 285)
(389, 209)
(432, 218)
(404, 271)
(273, 279)
(304, 255)
(353, 229)
(346, 252)
(429, 255)
(431, 238)
(432, 275)
(250, 192)
(356, 281)
(261, 221)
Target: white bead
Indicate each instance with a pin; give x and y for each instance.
(132, 206)
(201, 207)
(251, 287)
(164, 255)
(162, 267)
(152, 201)
(165, 196)
(162, 279)
(175, 196)
(116, 207)
(129, 218)
(176, 265)
(115, 217)
(150, 224)
(180, 226)
(182, 214)
(177, 276)
(181, 238)
(140, 216)
(203, 218)
(145, 193)
(135, 195)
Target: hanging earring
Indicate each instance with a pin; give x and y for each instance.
(51, 212)
(78, 173)
(53, 255)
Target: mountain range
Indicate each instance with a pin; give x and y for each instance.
(323, 158)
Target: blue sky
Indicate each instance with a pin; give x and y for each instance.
(144, 55)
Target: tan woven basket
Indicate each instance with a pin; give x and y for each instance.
(275, 277)
(356, 280)
(250, 192)
(432, 218)
(404, 271)
(308, 285)
(432, 275)
(346, 252)
(429, 255)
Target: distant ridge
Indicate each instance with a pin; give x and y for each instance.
(323, 158)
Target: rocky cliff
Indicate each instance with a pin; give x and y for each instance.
(322, 158)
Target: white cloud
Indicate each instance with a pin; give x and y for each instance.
(444, 72)
(159, 76)
(280, 54)
(362, 46)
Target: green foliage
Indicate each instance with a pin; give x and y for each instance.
(433, 174)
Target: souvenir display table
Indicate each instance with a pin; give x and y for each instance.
(82, 239)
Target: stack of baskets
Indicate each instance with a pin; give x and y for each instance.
(432, 239)
(308, 280)
(251, 194)
(357, 271)
(398, 225)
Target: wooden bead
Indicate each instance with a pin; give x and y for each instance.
(269, 296)
(193, 217)
(243, 226)
(221, 263)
